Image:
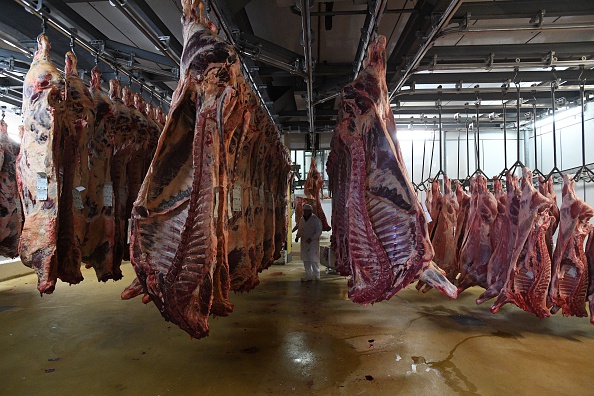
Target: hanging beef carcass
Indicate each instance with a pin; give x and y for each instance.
(504, 239)
(546, 188)
(434, 203)
(179, 226)
(337, 168)
(242, 246)
(529, 272)
(38, 166)
(312, 190)
(569, 281)
(443, 240)
(77, 129)
(388, 243)
(283, 177)
(268, 222)
(462, 219)
(134, 168)
(154, 129)
(123, 146)
(590, 259)
(11, 214)
(98, 247)
(476, 249)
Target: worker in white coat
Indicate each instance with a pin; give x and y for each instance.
(310, 229)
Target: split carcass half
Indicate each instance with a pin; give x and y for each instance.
(388, 243)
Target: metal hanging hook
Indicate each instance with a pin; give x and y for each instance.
(72, 44)
(43, 25)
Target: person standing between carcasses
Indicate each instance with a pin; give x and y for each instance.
(310, 229)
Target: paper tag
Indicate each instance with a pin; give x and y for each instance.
(237, 195)
(129, 230)
(427, 215)
(108, 195)
(41, 186)
(76, 195)
(216, 202)
(261, 197)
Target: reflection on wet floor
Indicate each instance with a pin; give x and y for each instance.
(285, 337)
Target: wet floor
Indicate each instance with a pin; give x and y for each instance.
(285, 337)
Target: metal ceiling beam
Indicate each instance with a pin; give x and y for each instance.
(10, 99)
(521, 65)
(307, 43)
(573, 49)
(498, 77)
(18, 56)
(481, 91)
(303, 113)
(429, 41)
(372, 20)
(471, 97)
(145, 28)
(82, 25)
(512, 29)
(139, 53)
(322, 70)
(462, 109)
(526, 8)
(149, 15)
(291, 69)
(250, 40)
(296, 11)
(82, 42)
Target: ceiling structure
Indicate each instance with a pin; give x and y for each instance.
(453, 59)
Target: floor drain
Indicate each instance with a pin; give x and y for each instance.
(466, 320)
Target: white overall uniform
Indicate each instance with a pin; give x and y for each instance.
(310, 252)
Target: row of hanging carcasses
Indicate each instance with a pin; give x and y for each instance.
(83, 157)
(503, 242)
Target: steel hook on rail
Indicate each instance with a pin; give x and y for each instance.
(518, 164)
(505, 169)
(584, 173)
(555, 170)
(72, 43)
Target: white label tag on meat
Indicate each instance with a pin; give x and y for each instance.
(216, 202)
(237, 192)
(108, 195)
(129, 230)
(77, 197)
(41, 186)
(427, 215)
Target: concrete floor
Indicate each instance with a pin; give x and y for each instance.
(285, 337)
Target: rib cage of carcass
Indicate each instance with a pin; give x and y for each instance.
(211, 212)
(380, 234)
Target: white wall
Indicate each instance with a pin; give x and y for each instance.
(568, 127)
